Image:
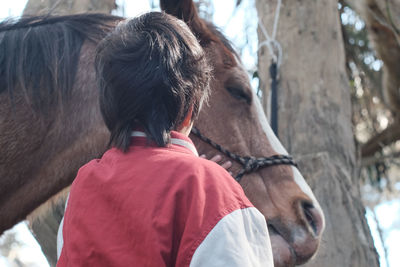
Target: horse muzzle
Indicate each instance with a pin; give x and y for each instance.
(294, 243)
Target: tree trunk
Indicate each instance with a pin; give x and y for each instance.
(67, 7)
(44, 221)
(315, 122)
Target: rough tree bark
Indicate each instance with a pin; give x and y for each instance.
(67, 7)
(315, 122)
(44, 221)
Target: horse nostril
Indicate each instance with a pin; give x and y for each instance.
(313, 217)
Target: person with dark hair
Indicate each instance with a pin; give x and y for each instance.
(150, 200)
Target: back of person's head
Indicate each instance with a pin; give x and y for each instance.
(152, 72)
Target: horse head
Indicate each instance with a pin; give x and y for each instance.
(235, 120)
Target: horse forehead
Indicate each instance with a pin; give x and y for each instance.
(220, 56)
(241, 73)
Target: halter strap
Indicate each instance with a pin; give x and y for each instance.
(249, 163)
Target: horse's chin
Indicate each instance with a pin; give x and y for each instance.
(284, 255)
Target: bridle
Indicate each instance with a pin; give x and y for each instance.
(250, 164)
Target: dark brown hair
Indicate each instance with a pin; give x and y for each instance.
(151, 71)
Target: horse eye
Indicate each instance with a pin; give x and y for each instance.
(239, 94)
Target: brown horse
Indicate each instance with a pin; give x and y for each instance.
(50, 123)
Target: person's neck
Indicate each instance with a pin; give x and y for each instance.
(186, 129)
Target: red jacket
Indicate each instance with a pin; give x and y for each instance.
(160, 206)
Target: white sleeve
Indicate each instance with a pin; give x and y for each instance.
(239, 239)
(60, 239)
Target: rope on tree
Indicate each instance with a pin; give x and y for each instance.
(275, 50)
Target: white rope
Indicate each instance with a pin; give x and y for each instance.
(274, 47)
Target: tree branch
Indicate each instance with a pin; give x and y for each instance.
(386, 137)
(367, 161)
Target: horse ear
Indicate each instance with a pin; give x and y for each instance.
(187, 11)
(182, 9)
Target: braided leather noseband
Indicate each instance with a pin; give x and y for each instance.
(250, 164)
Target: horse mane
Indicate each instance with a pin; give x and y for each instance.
(227, 47)
(39, 55)
(228, 44)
